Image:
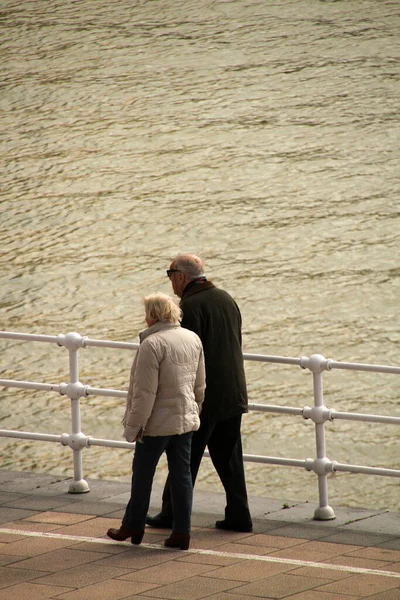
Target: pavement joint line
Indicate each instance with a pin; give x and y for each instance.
(272, 559)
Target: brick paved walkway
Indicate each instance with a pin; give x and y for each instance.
(53, 546)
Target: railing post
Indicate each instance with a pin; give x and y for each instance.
(319, 414)
(77, 440)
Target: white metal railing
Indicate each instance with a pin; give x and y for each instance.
(318, 413)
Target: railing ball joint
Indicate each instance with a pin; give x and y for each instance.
(317, 363)
(71, 341)
(320, 466)
(76, 441)
(318, 414)
(74, 390)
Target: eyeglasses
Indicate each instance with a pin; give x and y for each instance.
(170, 271)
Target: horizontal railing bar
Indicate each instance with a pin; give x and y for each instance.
(27, 435)
(29, 337)
(90, 391)
(271, 460)
(30, 385)
(46, 437)
(272, 359)
(110, 443)
(289, 410)
(368, 470)
(54, 339)
(332, 364)
(50, 387)
(365, 417)
(109, 344)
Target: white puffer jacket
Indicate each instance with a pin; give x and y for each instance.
(167, 383)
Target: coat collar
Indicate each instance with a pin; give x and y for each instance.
(157, 327)
(196, 286)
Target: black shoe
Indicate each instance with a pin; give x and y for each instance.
(159, 521)
(230, 526)
(178, 540)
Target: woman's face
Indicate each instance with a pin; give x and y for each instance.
(149, 320)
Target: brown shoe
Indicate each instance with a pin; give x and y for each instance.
(178, 540)
(123, 533)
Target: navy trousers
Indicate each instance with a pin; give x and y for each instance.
(224, 442)
(145, 460)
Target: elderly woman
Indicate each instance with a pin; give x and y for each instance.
(164, 400)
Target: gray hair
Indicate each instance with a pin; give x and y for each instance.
(161, 307)
(190, 265)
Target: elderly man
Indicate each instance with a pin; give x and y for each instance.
(215, 317)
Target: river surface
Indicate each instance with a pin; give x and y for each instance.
(263, 136)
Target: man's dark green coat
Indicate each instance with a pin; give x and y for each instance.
(215, 317)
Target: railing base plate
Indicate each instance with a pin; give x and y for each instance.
(324, 513)
(79, 487)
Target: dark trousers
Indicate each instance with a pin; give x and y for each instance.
(145, 460)
(224, 443)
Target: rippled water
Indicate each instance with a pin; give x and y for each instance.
(263, 136)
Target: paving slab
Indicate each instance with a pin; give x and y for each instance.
(43, 502)
(385, 522)
(14, 514)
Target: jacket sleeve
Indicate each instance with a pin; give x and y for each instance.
(130, 390)
(200, 383)
(142, 391)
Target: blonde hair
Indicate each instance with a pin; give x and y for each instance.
(161, 307)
